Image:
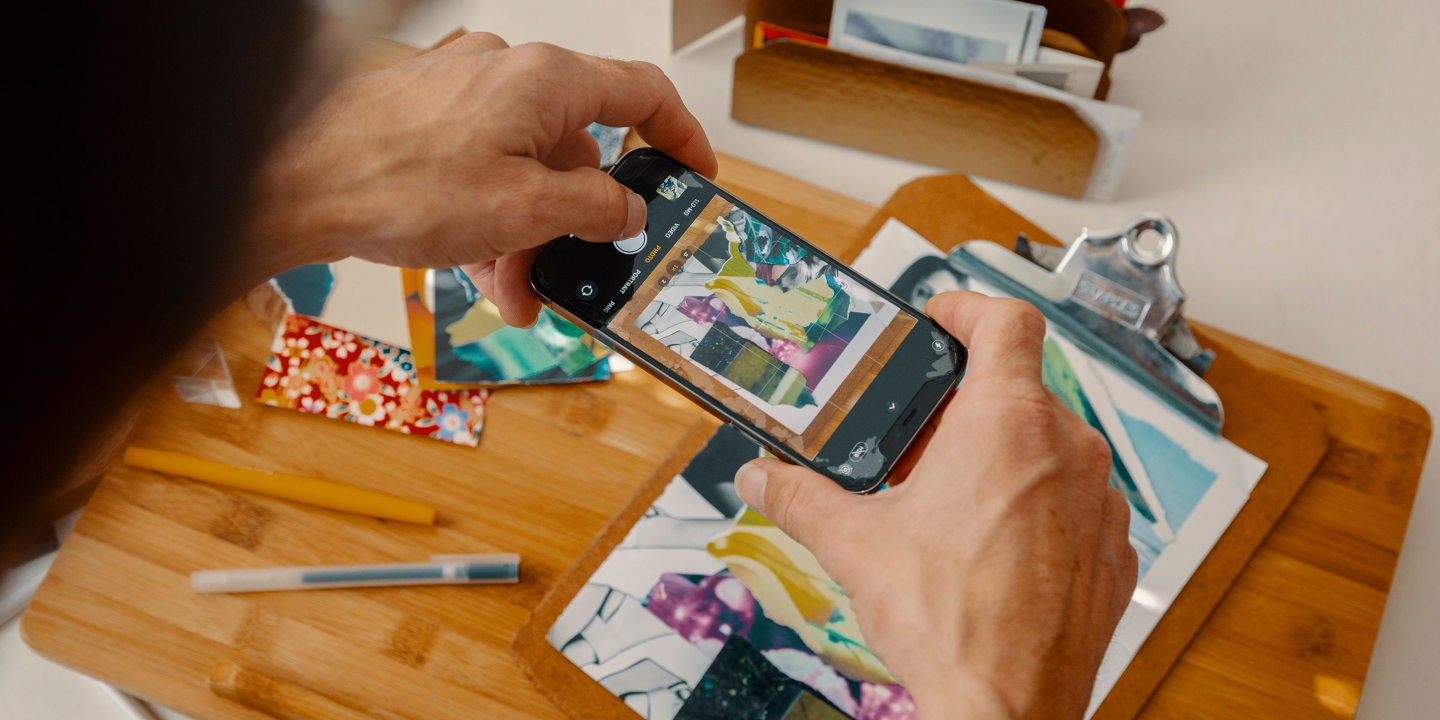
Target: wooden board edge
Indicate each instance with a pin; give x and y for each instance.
(928, 206)
(1266, 416)
(1322, 378)
(949, 210)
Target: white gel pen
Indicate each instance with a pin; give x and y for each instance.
(441, 570)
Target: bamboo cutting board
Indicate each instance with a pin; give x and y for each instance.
(1266, 413)
(1292, 636)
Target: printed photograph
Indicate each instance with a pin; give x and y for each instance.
(474, 346)
(1183, 485)
(925, 278)
(922, 40)
(918, 272)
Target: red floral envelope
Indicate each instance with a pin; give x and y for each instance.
(324, 370)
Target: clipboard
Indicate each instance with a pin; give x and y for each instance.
(1265, 415)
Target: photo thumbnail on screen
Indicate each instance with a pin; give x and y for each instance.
(767, 327)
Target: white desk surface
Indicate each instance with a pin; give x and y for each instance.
(1295, 143)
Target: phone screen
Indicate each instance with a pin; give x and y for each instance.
(793, 347)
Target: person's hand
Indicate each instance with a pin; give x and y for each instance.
(474, 154)
(990, 581)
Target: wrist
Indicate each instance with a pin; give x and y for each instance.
(291, 223)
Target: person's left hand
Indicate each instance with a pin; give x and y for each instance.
(475, 154)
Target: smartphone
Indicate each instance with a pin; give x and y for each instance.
(819, 365)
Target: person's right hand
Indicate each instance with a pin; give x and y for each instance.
(991, 580)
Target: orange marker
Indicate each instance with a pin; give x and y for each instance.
(299, 488)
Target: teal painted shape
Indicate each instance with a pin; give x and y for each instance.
(308, 287)
(1180, 480)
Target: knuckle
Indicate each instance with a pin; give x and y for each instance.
(530, 187)
(535, 50)
(523, 199)
(537, 56)
(649, 71)
(1024, 318)
(479, 40)
(1123, 557)
(1118, 510)
(1031, 409)
(1129, 565)
(1117, 503)
(651, 76)
(1032, 423)
(1096, 451)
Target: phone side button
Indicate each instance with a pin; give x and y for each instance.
(748, 433)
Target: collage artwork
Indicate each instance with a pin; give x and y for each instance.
(474, 346)
(777, 325)
(701, 573)
(698, 572)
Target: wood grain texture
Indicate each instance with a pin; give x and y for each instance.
(690, 20)
(1267, 413)
(916, 115)
(554, 465)
(279, 700)
(948, 122)
(1291, 638)
(562, 681)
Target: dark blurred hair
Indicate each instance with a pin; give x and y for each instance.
(140, 128)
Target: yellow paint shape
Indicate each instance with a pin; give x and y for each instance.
(482, 319)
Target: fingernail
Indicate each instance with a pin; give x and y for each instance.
(634, 216)
(750, 486)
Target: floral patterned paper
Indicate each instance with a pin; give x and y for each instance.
(324, 370)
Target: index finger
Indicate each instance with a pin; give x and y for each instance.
(637, 94)
(1005, 337)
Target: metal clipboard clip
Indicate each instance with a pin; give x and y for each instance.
(1118, 300)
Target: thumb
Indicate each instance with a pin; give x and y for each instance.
(802, 503)
(583, 202)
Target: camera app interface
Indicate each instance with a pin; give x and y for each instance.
(762, 324)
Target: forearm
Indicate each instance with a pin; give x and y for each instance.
(287, 228)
